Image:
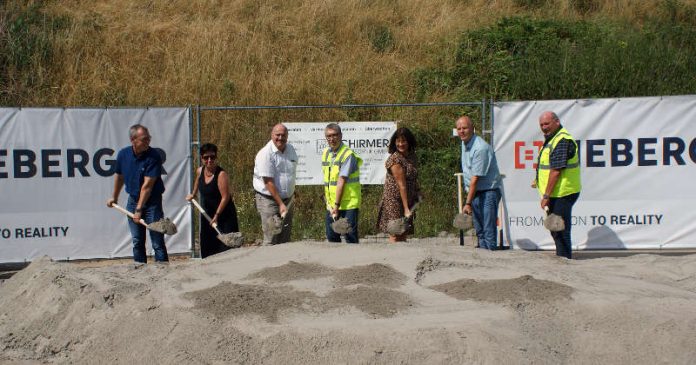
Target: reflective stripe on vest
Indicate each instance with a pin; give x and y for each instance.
(569, 180)
(352, 195)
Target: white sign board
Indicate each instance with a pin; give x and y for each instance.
(56, 173)
(638, 167)
(370, 140)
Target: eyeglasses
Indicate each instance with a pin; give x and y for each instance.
(208, 157)
(332, 136)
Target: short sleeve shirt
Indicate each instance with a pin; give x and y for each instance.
(349, 166)
(564, 151)
(134, 168)
(479, 160)
(281, 166)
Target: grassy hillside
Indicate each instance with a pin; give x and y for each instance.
(255, 52)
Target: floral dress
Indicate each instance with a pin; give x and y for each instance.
(390, 206)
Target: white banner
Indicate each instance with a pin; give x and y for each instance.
(370, 140)
(56, 173)
(638, 159)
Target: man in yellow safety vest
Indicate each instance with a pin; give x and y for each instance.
(558, 177)
(341, 168)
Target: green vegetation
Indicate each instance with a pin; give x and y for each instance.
(26, 50)
(280, 52)
(522, 58)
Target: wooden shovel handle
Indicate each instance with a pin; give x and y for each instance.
(124, 211)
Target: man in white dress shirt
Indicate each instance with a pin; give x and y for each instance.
(274, 182)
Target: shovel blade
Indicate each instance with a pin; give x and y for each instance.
(164, 225)
(233, 240)
(554, 223)
(463, 221)
(274, 225)
(397, 227)
(342, 226)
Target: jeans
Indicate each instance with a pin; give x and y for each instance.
(485, 210)
(152, 212)
(563, 207)
(352, 216)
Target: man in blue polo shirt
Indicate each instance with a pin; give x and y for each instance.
(482, 181)
(139, 168)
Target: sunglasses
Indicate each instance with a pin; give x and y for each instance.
(208, 157)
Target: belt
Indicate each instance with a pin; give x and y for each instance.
(270, 197)
(485, 190)
(264, 195)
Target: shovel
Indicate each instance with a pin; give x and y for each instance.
(276, 223)
(233, 239)
(340, 226)
(553, 222)
(398, 226)
(164, 225)
(463, 222)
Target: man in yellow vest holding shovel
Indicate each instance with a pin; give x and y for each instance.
(341, 168)
(558, 177)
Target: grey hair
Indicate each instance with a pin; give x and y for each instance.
(554, 116)
(133, 130)
(335, 127)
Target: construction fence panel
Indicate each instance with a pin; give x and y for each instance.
(57, 172)
(638, 167)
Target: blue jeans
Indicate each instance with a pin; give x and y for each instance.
(563, 207)
(485, 210)
(152, 212)
(352, 216)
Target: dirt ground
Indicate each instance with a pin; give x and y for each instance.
(425, 301)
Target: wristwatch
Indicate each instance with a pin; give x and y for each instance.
(546, 196)
(138, 210)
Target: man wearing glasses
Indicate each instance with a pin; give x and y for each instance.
(274, 182)
(341, 168)
(139, 168)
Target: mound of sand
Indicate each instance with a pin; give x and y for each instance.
(506, 291)
(293, 271)
(426, 301)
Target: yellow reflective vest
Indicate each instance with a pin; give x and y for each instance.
(331, 166)
(569, 180)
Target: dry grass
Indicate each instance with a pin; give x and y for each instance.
(243, 52)
(133, 52)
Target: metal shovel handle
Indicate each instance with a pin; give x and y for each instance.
(126, 212)
(328, 208)
(287, 207)
(413, 207)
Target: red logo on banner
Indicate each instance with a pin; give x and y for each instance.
(524, 154)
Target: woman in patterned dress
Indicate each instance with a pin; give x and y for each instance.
(401, 189)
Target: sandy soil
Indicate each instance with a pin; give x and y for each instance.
(426, 301)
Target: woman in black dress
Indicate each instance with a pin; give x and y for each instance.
(213, 184)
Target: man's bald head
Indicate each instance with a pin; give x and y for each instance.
(279, 136)
(465, 128)
(549, 123)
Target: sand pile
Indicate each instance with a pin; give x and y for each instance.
(524, 289)
(427, 301)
